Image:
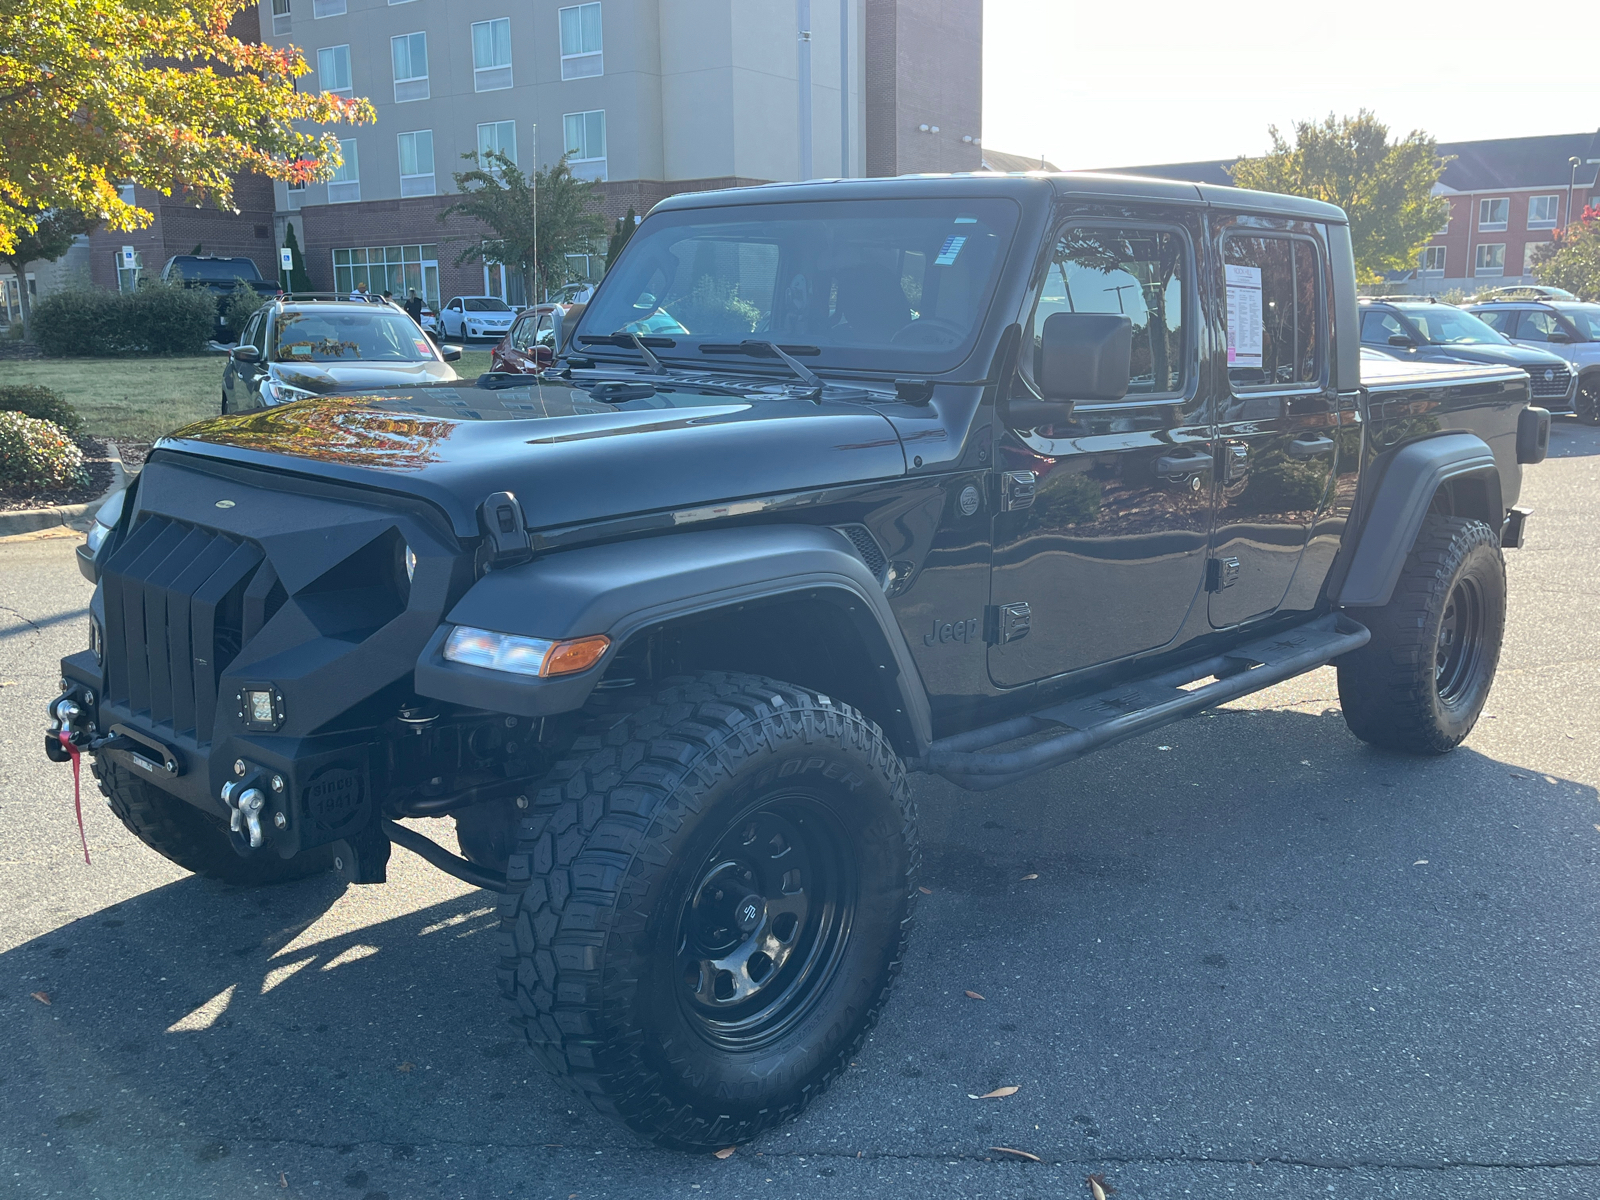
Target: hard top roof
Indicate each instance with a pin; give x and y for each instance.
(1018, 185)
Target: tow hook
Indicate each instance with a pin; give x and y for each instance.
(245, 805)
(64, 712)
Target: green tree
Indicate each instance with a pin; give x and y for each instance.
(1384, 187)
(620, 236)
(1571, 259)
(535, 220)
(97, 92)
(295, 279)
(50, 237)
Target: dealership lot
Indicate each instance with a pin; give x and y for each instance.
(1258, 959)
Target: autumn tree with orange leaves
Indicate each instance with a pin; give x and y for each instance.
(94, 93)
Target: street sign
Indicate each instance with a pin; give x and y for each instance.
(128, 259)
(286, 257)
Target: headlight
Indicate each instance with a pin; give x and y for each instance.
(105, 520)
(275, 391)
(411, 563)
(523, 655)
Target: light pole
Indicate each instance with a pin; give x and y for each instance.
(804, 14)
(844, 89)
(1572, 182)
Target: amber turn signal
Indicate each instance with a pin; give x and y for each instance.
(578, 654)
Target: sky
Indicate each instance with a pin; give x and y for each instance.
(1096, 84)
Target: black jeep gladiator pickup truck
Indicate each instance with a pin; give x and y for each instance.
(833, 483)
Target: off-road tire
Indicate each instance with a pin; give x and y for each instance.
(185, 835)
(1586, 404)
(1420, 683)
(594, 950)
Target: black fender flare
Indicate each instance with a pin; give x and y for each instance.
(1400, 505)
(621, 588)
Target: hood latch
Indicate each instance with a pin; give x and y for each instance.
(508, 539)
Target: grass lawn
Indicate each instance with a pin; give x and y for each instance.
(140, 399)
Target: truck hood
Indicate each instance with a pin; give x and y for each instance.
(333, 377)
(568, 458)
(1525, 357)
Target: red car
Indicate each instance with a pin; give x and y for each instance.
(529, 345)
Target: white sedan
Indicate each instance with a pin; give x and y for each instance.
(476, 317)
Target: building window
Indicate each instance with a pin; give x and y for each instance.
(497, 137)
(580, 41)
(586, 143)
(1491, 259)
(1449, 215)
(297, 195)
(409, 52)
(1433, 260)
(1529, 249)
(280, 16)
(491, 55)
(345, 186)
(125, 193)
(1542, 211)
(333, 69)
(1494, 214)
(397, 269)
(327, 8)
(416, 163)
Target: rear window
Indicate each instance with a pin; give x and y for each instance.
(216, 270)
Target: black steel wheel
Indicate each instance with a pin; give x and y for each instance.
(720, 883)
(1586, 405)
(1420, 683)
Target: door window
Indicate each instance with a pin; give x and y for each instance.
(1139, 273)
(1275, 320)
(522, 334)
(1378, 327)
(1537, 326)
(1500, 320)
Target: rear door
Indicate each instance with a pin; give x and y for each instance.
(1109, 556)
(1278, 420)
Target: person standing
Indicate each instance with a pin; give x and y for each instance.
(413, 306)
(361, 293)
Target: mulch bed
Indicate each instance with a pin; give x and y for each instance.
(97, 464)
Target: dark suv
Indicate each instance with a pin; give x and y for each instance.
(832, 485)
(1427, 330)
(219, 276)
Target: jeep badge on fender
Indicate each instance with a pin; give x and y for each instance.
(654, 628)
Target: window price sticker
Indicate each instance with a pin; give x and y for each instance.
(1244, 316)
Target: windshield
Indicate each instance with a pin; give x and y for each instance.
(225, 271)
(1587, 319)
(485, 304)
(874, 283)
(1446, 326)
(382, 335)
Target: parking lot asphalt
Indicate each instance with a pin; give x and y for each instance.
(1244, 956)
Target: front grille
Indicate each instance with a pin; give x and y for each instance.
(181, 601)
(1555, 386)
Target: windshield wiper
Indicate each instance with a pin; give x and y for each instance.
(631, 341)
(758, 348)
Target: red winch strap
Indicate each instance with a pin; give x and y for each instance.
(77, 793)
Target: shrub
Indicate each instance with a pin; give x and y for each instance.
(37, 454)
(158, 318)
(240, 306)
(42, 404)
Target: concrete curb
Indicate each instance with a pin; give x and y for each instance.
(27, 520)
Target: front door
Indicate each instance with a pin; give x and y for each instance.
(1278, 419)
(1110, 555)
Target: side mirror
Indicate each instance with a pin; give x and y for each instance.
(1559, 337)
(450, 353)
(543, 355)
(1085, 356)
(247, 354)
(1400, 339)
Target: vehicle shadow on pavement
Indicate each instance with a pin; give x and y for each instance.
(1573, 439)
(1246, 931)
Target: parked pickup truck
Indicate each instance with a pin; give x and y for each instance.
(833, 484)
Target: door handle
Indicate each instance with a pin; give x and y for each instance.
(1310, 447)
(1184, 464)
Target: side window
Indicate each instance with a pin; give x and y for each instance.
(258, 335)
(1141, 273)
(1275, 317)
(1499, 319)
(1378, 327)
(1537, 326)
(522, 333)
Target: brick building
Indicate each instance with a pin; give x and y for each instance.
(1507, 197)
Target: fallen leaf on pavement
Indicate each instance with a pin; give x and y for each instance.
(1018, 1153)
(283, 1180)
(925, 891)
(1025, 878)
(1421, 862)
(726, 1152)
(996, 1094)
(1098, 1187)
(970, 996)
(42, 997)
(406, 1067)
(1514, 775)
